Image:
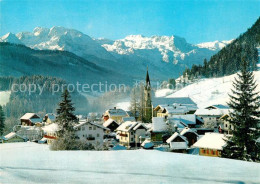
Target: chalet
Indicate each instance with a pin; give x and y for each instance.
(226, 126)
(177, 105)
(31, 119)
(116, 114)
(131, 133)
(111, 124)
(174, 109)
(50, 132)
(91, 132)
(30, 133)
(177, 142)
(211, 144)
(13, 137)
(161, 127)
(190, 134)
(49, 118)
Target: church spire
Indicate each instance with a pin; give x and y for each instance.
(147, 79)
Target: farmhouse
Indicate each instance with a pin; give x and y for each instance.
(31, 119)
(132, 133)
(211, 144)
(177, 142)
(49, 118)
(111, 124)
(116, 114)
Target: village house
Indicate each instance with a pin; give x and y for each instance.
(116, 114)
(49, 118)
(191, 120)
(190, 134)
(132, 134)
(111, 124)
(50, 132)
(178, 143)
(91, 132)
(225, 125)
(211, 144)
(31, 133)
(13, 137)
(31, 119)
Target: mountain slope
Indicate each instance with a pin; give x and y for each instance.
(228, 60)
(18, 60)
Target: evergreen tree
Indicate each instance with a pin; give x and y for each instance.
(65, 115)
(2, 121)
(245, 118)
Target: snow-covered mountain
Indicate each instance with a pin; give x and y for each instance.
(171, 49)
(165, 55)
(216, 45)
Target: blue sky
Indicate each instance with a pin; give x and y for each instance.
(195, 20)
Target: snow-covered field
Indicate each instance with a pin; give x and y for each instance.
(4, 97)
(34, 163)
(207, 91)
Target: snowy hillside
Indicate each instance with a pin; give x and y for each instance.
(216, 45)
(34, 163)
(207, 91)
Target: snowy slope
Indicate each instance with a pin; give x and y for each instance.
(216, 45)
(34, 163)
(4, 97)
(207, 91)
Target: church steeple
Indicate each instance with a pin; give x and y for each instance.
(147, 79)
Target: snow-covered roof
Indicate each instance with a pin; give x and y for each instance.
(209, 112)
(28, 116)
(158, 124)
(36, 120)
(11, 135)
(176, 134)
(117, 112)
(108, 122)
(51, 128)
(211, 141)
(169, 101)
(129, 125)
(218, 106)
(83, 122)
(147, 144)
(186, 130)
(128, 119)
(188, 119)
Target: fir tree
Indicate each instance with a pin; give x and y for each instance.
(2, 121)
(245, 118)
(65, 115)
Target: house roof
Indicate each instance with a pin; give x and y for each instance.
(169, 101)
(36, 120)
(211, 141)
(209, 112)
(83, 122)
(188, 119)
(158, 124)
(117, 112)
(218, 106)
(51, 116)
(11, 135)
(108, 122)
(186, 130)
(129, 125)
(51, 128)
(128, 119)
(174, 136)
(28, 116)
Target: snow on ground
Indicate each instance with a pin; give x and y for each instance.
(210, 91)
(35, 163)
(4, 97)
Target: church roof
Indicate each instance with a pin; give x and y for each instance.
(147, 79)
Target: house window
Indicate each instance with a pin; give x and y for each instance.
(226, 125)
(207, 151)
(230, 126)
(209, 118)
(97, 135)
(132, 133)
(90, 128)
(83, 128)
(94, 128)
(132, 139)
(83, 135)
(212, 152)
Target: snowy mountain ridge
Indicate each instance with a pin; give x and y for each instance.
(216, 45)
